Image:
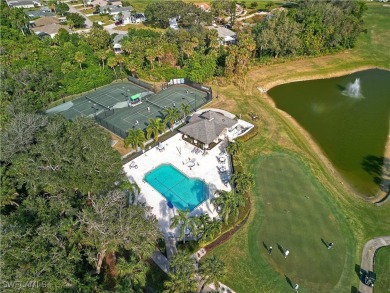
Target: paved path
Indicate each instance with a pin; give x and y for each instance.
(161, 261)
(368, 255)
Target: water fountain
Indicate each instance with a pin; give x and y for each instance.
(353, 89)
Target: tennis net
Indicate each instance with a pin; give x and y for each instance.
(157, 105)
(97, 103)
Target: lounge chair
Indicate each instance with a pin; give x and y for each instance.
(133, 165)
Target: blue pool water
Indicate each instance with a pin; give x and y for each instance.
(183, 192)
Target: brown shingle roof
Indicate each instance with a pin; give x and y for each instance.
(207, 126)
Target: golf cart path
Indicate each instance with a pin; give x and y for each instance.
(368, 255)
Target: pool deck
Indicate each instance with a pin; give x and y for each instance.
(177, 152)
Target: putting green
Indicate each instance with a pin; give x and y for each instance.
(293, 210)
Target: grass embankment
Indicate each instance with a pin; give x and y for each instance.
(250, 269)
(382, 266)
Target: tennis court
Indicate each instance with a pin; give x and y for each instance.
(94, 103)
(112, 109)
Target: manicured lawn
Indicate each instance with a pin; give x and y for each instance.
(106, 19)
(382, 270)
(293, 210)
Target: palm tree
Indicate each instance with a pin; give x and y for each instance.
(185, 108)
(234, 147)
(135, 138)
(182, 264)
(120, 60)
(171, 116)
(211, 269)
(242, 181)
(155, 127)
(213, 227)
(178, 284)
(80, 58)
(111, 62)
(102, 55)
(133, 270)
(228, 203)
(184, 221)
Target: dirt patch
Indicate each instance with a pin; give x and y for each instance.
(119, 146)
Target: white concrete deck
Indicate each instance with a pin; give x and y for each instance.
(176, 152)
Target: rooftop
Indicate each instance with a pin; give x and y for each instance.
(207, 126)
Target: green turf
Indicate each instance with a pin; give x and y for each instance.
(382, 270)
(293, 210)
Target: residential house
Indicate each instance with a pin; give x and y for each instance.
(208, 127)
(128, 17)
(42, 12)
(117, 44)
(173, 23)
(47, 25)
(23, 3)
(225, 36)
(203, 6)
(114, 10)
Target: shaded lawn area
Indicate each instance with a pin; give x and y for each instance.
(293, 210)
(382, 270)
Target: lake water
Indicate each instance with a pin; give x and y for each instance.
(351, 129)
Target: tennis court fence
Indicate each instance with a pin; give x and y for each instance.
(195, 85)
(146, 85)
(111, 127)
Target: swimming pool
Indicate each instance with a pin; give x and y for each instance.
(183, 192)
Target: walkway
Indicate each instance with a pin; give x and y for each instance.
(368, 258)
(87, 22)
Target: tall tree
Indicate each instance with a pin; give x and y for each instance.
(79, 57)
(186, 110)
(155, 127)
(211, 270)
(243, 182)
(183, 221)
(112, 63)
(227, 203)
(171, 116)
(111, 224)
(135, 138)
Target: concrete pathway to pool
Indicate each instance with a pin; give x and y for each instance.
(178, 153)
(368, 255)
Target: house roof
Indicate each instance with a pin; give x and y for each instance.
(207, 126)
(17, 3)
(50, 29)
(39, 13)
(116, 9)
(46, 20)
(203, 6)
(223, 32)
(118, 39)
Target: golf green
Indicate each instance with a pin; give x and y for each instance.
(291, 211)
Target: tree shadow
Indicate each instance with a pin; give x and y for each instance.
(289, 281)
(340, 87)
(379, 169)
(325, 243)
(280, 247)
(354, 289)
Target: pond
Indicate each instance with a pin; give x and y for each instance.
(348, 117)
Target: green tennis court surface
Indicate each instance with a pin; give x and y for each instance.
(111, 108)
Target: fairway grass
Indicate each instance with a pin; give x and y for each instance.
(382, 270)
(297, 214)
